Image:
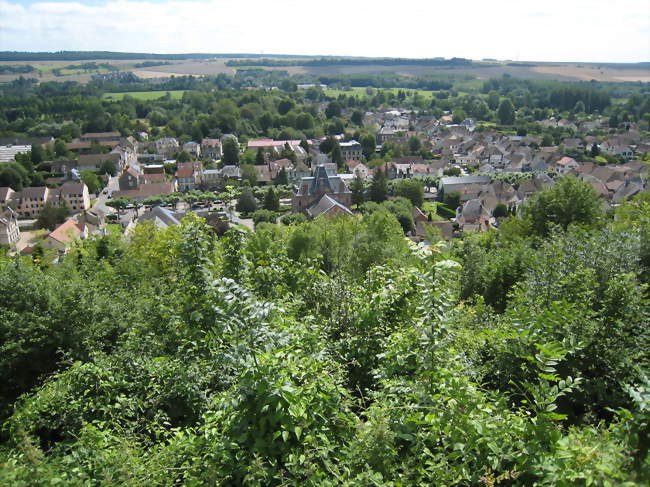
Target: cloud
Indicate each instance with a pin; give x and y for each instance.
(562, 30)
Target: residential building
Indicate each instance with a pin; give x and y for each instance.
(75, 196)
(62, 237)
(9, 231)
(351, 151)
(211, 149)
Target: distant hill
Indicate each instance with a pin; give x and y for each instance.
(84, 55)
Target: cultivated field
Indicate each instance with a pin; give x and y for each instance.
(544, 71)
(144, 95)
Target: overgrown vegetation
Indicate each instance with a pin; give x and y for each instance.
(332, 352)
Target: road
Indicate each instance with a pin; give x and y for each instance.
(100, 202)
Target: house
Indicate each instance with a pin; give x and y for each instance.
(311, 189)
(211, 148)
(9, 231)
(194, 148)
(617, 147)
(93, 162)
(101, 137)
(351, 151)
(32, 200)
(167, 146)
(145, 191)
(457, 184)
(62, 237)
(188, 175)
(6, 196)
(566, 164)
(129, 179)
(75, 196)
(211, 178)
(161, 217)
(445, 228)
(473, 215)
(8, 152)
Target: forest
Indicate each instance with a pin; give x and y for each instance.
(335, 352)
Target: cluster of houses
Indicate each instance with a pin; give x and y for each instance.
(320, 187)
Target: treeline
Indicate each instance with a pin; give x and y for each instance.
(16, 68)
(149, 64)
(561, 96)
(323, 61)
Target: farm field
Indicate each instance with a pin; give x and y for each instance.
(143, 95)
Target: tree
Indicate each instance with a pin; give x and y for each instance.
(368, 145)
(337, 156)
(285, 105)
(569, 201)
(506, 112)
(119, 204)
(412, 190)
(271, 200)
(333, 109)
(230, 151)
(108, 167)
(379, 187)
(282, 179)
(595, 150)
(580, 107)
(259, 157)
(246, 202)
(493, 100)
(451, 171)
(38, 154)
(357, 117)
(92, 181)
(52, 216)
(500, 211)
(415, 144)
(11, 177)
(60, 149)
(264, 216)
(327, 145)
(249, 173)
(183, 156)
(451, 200)
(304, 121)
(357, 187)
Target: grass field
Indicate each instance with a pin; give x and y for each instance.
(144, 95)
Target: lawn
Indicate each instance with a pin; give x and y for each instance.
(144, 95)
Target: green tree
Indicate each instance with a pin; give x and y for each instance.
(412, 190)
(259, 157)
(246, 202)
(506, 112)
(183, 156)
(451, 200)
(38, 154)
(282, 179)
(271, 200)
(92, 181)
(500, 211)
(368, 144)
(337, 156)
(569, 201)
(52, 216)
(379, 187)
(230, 151)
(415, 145)
(108, 167)
(357, 117)
(357, 187)
(493, 100)
(249, 173)
(333, 109)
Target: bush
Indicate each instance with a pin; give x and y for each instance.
(264, 216)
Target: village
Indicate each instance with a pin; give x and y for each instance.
(472, 179)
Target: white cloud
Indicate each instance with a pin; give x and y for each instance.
(557, 30)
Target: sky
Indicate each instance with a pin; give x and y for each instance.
(523, 30)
